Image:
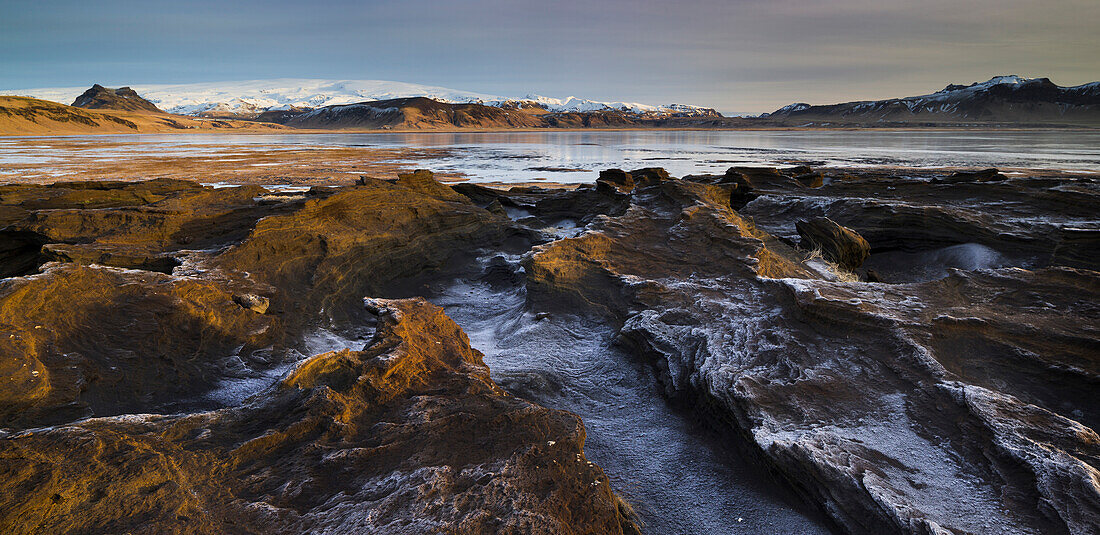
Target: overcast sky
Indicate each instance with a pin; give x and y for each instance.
(734, 55)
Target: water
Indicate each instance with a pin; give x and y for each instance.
(573, 156)
(920, 266)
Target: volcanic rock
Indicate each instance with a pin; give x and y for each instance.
(983, 175)
(1032, 221)
(357, 242)
(964, 404)
(84, 340)
(129, 225)
(409, 435)
(618, 179)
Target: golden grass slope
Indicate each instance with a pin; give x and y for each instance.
(29, 116)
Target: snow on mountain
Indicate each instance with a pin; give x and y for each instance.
(977, 101)
(956, 90)
(254, 96)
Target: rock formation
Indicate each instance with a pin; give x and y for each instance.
(958, 396)
(964, 404)
(408, 435)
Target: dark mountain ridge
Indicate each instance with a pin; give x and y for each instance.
(1003, 100)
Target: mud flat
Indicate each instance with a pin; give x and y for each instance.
(762, 350)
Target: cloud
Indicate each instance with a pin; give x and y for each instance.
(743, 55)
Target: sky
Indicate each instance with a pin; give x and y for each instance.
(738, 56)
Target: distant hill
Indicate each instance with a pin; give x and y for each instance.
(123, 99)
(28, 116)
(1001, 100)
(403, 113)
(421, 113)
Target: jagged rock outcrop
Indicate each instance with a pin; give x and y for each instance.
(357, 241)
(957, 401)
(1030, 221)
(101, 341)
(408, 435)
(921, 408)
(131, 225)
(81, 341)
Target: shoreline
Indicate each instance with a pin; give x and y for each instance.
(294, 131)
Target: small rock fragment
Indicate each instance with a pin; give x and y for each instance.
(253, 302)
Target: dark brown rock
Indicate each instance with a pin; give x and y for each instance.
(1042, 221)
(408, 435)
(131, 225)
(357, 242)
(958, 405)
(253, 302)
(618, 179)
(649, 176)
(983, 175)
(85, 340)
(812, 179)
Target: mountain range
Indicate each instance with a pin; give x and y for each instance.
(249, 98)
(373, 105)
(1002, 99)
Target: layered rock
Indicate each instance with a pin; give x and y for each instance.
(408, 435)
(92, 340)
(131, 225)
(964, 402)
(1032, 221)
(959, 405)
(358, 241)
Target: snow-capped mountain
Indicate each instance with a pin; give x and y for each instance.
(1001, 99)
(252, 97)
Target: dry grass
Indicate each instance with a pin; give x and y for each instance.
(840, 273)
(28, 116)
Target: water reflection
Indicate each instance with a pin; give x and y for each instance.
(526, 155)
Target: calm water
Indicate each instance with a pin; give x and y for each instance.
(573, 156)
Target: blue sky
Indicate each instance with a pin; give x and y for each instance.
(735, 55)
